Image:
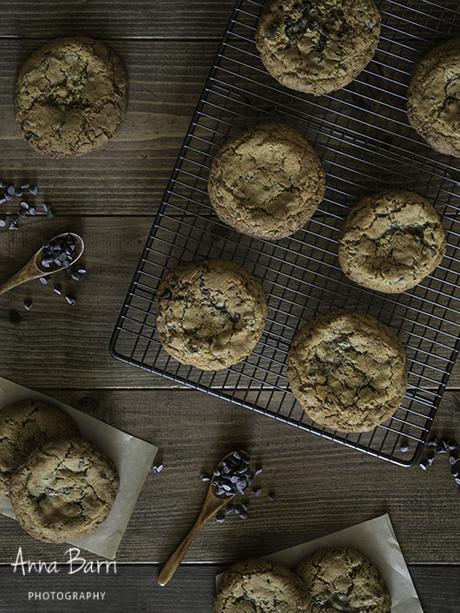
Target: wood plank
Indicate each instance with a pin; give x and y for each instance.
(192, 590)
(103, 18)
(320, 486)
(73, 342)
(129, 176)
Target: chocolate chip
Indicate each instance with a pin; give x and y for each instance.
(2, 222)
(14, 317)
(453, 458)
(423, 464)
(2, 200)
(28, 304)
(404, 445)
(257, 492)
(455, 471)
(70, 299)
(220, 518)
(271, 496)
(205, 476)
(33, 189)
(57, 289)
(10, 190)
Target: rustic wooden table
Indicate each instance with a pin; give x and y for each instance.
(110, 197)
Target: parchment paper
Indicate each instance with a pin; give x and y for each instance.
(376, 540)
(132, 457)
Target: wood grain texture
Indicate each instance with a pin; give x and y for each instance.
(320, 486)
(128, 176)
(133, 589)
(131, 19)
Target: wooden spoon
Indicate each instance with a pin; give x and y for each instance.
(34, 268)
(212, 504)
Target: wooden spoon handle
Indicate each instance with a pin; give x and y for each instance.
(169, 569)
(28, 273)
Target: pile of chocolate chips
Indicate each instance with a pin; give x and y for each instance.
(20, 202)
(234, 476)
(443, 446)
(59, 252)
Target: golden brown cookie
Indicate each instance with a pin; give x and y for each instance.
(255, 586)
(318, 46)
(343, 580)
(63, 490)
(348, 371)
(391, 241)
(71, 97)
(267, 182)
(434, 98)
(24, 426)
(211, 314)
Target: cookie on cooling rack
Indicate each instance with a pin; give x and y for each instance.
(343, 579)
(255, 585)
(24, 426)
(71, 97)
(348, 371)
(391, 241)
(434, 98)
(211, 314)
(267, 182)
(318, 46)
(63, 490)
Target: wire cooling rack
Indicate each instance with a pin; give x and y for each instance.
(366, 144)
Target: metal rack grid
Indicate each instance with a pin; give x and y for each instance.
(363, 138)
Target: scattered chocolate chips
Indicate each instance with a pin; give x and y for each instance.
(158, 468)
(442, 446)
(21, 198)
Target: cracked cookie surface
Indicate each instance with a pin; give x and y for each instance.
(71, 96)
(211, 314)
(267, 182)
(24, 426)
(317, 46)
(348, 371)
(63, 490)
(391, 241)
(434, 98)
(255, 586)
(343, 580)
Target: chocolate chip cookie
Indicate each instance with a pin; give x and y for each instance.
(71, 97)
(267, 182)
(434, 98)
(211, 314)
(63, 490)
(261, 587)
(343, 580)
(347, 370)
(318, 46)
(391, 241)
(24, 426)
